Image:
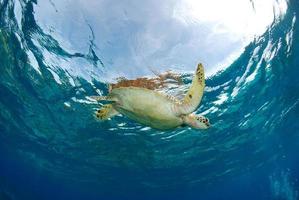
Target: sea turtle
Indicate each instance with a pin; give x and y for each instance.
(155, 109)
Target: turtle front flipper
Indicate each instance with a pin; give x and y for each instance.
(193, 97)
(105, 112)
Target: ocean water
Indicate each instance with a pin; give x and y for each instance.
(52, 147)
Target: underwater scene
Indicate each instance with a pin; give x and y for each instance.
(62, 61)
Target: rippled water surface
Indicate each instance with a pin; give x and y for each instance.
(54, 54)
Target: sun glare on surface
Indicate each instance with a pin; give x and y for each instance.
(242, 18)
(235, 21)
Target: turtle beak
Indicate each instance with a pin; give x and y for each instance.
(208, 124)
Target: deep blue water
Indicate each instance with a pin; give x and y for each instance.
(51, 146)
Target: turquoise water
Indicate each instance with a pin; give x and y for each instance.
(52, 147)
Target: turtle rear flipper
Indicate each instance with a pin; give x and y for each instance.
(103, 98)
(193, 97)
(107, 111)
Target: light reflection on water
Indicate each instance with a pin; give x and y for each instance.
(177, 36)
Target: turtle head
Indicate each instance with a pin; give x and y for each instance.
(197, 121)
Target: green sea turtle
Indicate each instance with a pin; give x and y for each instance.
(156, 109)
